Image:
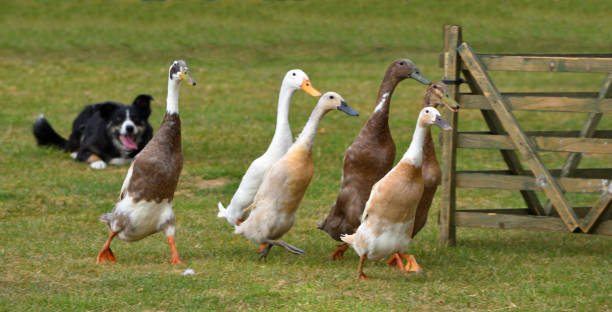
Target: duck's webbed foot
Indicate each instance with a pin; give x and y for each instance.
(106, 254)
(339, 253)
(175, 257)
(264, 250)
(396, 261)
(362, 276)
(411, 264)
(290, 248)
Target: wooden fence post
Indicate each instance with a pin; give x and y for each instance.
(452, 65)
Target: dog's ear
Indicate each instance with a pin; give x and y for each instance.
(106, 110)
(143, 104)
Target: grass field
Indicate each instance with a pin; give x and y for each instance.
(57, 56)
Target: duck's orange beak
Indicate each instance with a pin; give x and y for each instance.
(308, 88)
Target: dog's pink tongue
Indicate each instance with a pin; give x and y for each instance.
(128, 142)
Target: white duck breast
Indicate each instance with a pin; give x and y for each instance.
(235, 212)
(388, 218)
(145, 200)
(273, 210)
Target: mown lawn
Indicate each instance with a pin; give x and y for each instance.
(57, 56)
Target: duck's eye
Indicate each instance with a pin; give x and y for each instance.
(435, 87)
(294, 74)
(402, 63)
(426, 111)
(331, 97)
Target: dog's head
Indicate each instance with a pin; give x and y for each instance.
(126, 125)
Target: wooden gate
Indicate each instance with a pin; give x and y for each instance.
(505, 134)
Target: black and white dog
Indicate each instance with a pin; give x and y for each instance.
(102, 133)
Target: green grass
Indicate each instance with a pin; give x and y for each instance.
(57, 56)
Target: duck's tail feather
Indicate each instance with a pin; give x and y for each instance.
(349, 239)
(290, 248)
(222, 211)
(105, 218)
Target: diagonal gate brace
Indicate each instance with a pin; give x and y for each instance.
(518, 137)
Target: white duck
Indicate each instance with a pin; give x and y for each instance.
(273, 210)
(234, 213)
(145, 200)
(388, 218)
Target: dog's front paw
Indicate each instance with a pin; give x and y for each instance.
(73, 155)
(98, 165)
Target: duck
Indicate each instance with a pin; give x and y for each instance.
(368, 158)
(147, 193)
(235, 213)
(387, 221)
(436, 94)
(272, 212)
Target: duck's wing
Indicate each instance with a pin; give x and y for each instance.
(126, 182)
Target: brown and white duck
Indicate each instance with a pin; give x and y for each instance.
(388, 218)
(436, 94)
(145, 200)
(277, 199)
(368, 159)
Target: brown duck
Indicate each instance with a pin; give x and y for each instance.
(368, 159)
(145, 200)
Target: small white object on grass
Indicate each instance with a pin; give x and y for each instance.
(188, 272)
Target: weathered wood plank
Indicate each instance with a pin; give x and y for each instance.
(503, 112)
(589, 173)
(600, 206)
(598, 134)
(512, 211)
(524, 222)
(587, 131)
(580, 211)
(517, 182)
(452, 38)
(543, 63)
(556, 144)
(540, 103)
(604, 228)
(507, 221)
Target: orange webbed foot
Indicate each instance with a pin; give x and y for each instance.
(175, 260)
(106, 254)
(339, 253)
(261, 248)
(411, 264)
(175, 257)
(363, 277)
(397, 262)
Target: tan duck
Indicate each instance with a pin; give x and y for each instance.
(388, 218)
(368, 159)
(145, 200)
(273, 210)
(436, 94)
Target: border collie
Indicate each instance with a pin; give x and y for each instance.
(102, 133)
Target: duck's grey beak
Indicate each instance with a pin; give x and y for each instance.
(187, 76)
(347, 109)
(441, 123)
(450, 103)
(416, 75)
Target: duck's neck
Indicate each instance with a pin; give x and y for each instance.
(283, 130)
(429, 151)
(414, 154)
(306, 137)
(173, 94)
(383, 101)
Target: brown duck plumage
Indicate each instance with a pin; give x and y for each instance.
(370, 156)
